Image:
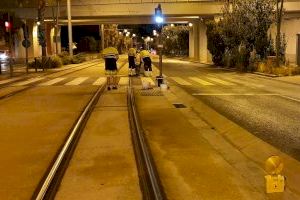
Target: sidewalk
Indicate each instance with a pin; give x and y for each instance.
(196, 161)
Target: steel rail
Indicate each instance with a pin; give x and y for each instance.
(53, 177)
(149, 180)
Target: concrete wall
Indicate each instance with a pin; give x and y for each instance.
(291, 27)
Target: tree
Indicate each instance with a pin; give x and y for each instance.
(279, 13)
(245, 27)
(215, 42)
(175, 40)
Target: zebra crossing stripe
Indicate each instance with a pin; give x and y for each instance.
(220, 81)
(124, 81)
(52, 82)
(180, 81)
(77, 81)
(148, 79)
(32, 80)
(100, 81)
(202, 82)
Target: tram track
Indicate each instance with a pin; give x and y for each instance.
(149, 182)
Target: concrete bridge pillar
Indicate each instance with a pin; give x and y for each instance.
(194, 41)
(198, 43)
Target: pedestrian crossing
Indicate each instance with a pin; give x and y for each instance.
(97, 81)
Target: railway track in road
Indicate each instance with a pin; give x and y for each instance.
(148, 178)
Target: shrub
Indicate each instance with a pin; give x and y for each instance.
(55, 62)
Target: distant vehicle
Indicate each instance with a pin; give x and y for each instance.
(4, 55)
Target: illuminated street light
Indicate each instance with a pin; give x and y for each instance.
(38, 23)
(133, 35)
(190, 24)
(120, 33)
(125, 30)
(172, 25)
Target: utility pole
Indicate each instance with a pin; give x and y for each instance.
(56, 27)
(70, 28)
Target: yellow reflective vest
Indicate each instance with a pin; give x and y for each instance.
(132, 52)
(110, 52)
(144, 54)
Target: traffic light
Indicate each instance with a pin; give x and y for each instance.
(158, 14)
(7, 26)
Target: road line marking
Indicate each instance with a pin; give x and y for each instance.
(9, 80)
(32, 80)
(290, 98)
(180, 81)
(77, 81)
(220, 81)
(124, 81)
(202, 82)
(233, 94)
(100, 81)
(52, 82)
(148, 79)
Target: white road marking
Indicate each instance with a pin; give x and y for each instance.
(124, 81)
(51, 82)
(77, 81)
(290, 98)
(9, 80)
(234, 94)
(32, 80)
(148, 79)
(100, 81)
(202, 82)
(220, 81)
(180, 81)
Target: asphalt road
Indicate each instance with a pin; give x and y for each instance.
(266, 107)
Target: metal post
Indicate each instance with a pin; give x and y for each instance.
(70, 28)
(102, 36)
(26, 48)
(56, 27)
(0, 67)
(10, 68)
(160, 55)
(35, 64)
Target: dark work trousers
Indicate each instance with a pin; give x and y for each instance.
(131, 62)
(147, 64)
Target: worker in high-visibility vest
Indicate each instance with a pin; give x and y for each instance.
(131, 57)
(146, 59)
(111, 55)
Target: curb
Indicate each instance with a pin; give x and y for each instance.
(253, 148)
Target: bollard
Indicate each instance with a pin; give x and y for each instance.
(35, 64)
(10, 68)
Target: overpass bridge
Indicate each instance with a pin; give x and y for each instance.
(96, 12)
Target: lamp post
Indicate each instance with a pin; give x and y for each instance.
(159, 20)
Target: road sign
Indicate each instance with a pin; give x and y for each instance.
(26, 43)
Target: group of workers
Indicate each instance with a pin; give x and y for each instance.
(135, 59)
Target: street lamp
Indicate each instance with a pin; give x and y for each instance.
(159, 20)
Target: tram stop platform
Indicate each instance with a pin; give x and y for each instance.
(202, 155)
